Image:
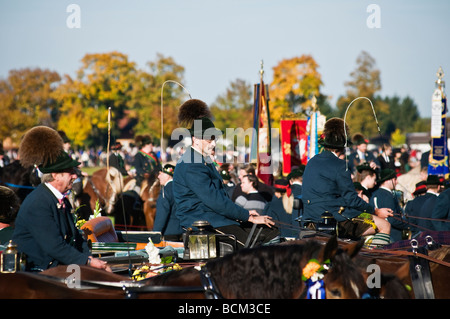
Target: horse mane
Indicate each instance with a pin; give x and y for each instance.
(263, 272)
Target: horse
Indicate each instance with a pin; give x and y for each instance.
(139, 209)
(149, 195)
(398, 263)
(103, 186)
(22, 180)
(394, 262)
(275, 272)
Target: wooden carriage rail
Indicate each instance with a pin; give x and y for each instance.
(127, 286)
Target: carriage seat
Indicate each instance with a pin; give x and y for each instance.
(100, 229)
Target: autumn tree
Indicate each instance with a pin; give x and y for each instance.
(365, 82)
(295, 82)
(103, 81)
(25, 101)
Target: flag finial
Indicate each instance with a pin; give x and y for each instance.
(262, 69)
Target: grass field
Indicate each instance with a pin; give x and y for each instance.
(90, 170)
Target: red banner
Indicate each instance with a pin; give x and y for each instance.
(294, 143)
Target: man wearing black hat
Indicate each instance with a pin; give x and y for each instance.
(281, 208)
(413, 207)
(384, 197)
(227, 182)
(116, 160)
(295, 178)
(165, 220)
(361, 154)
(44, 229)
(434, 188)
(198, 188)
(327, 186)
(145, 161)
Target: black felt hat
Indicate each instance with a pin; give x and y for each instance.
(386, 174)
(364, 167)
(359, 139)
(168, 169)
(225, 175)
(296, 172)
(281, 185)
(61, 163)
(434, 180)
(421, 188)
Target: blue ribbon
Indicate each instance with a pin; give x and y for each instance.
(316, 289)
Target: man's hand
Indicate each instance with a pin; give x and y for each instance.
(262, 220)
(384, 212)
(98, 263)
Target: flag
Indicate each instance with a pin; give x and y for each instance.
(438, 162)
(261, 141)
(294, 143)
(316, 122)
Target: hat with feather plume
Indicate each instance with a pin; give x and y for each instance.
(42, 146)
(195, 115)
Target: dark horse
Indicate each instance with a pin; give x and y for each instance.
(262, 272)
(20, 179)
(138, 210)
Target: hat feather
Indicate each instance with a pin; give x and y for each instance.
(191, 110)
(40, 145)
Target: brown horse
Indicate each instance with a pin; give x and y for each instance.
(395, 268)
(149, 195)
(397, 263)
(104, 187)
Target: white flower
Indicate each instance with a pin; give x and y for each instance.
(153, 253)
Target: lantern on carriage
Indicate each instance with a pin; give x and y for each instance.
(10, 258)
(201, 243)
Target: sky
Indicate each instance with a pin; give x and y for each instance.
(218, 42)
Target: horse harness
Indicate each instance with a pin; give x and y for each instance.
(419, 269)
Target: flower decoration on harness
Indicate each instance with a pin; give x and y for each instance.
(312, 275)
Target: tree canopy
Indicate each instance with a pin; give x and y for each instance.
(79, 105)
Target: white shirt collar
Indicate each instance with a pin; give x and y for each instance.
(389, 190)
(55, 192)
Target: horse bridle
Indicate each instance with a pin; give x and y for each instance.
(209, 286)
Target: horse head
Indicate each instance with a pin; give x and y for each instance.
(344, 279)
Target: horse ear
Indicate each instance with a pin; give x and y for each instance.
(353, 249)
(330, 250)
